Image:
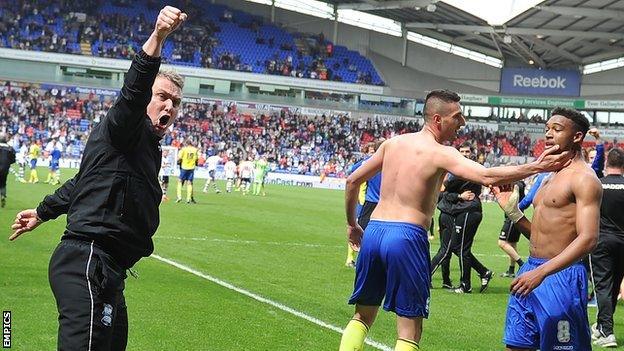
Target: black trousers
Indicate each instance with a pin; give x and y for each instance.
(442, 257)
(4, 172)
(462, 229)
(466, 225)
(88, 287)
(608, 268)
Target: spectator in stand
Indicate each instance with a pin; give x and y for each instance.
(292, 142)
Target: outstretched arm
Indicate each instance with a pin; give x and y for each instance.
(588, 194)
(451, 160)
(51, 207)
(57, 203)
(127, 116)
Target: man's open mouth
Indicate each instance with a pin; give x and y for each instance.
(163, 120)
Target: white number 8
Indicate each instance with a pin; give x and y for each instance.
(563, 331)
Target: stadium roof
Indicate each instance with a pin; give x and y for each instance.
(547, 34)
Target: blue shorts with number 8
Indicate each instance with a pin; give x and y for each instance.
(554, 315)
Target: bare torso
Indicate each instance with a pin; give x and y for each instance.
(553, 226)
(411, 180)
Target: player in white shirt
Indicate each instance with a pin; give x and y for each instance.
(230, 175)
(246, 173)
(21, 159)
(211, 164)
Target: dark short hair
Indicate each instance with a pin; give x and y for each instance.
(466, 144)
(615, 158)
(579, 120)
(443, 95)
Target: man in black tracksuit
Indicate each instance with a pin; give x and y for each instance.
(7, 158)
(111, 203)
(608, 256)
(460, 216)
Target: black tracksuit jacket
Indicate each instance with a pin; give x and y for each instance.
(113, 199)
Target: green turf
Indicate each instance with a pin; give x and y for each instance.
(288, 247)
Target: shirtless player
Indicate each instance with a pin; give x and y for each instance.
(394, 254)
(548, 303)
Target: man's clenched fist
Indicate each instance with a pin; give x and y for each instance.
(169, 19)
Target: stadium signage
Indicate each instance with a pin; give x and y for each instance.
(534, 102)
(605, 104)
(306, 181)
(613, 133)
(315, 111)
(526, 81)
(526, 128)
(97, 91)
(473, 99)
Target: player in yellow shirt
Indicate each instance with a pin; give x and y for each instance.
(33, 154)
(188, 160)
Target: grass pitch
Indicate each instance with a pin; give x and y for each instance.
(287, 248)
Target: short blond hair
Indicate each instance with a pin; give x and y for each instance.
(173, 77)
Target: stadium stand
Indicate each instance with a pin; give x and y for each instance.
(293, 143)
(216, 37)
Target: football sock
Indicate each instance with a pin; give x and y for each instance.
(406, 345)
(179, 190)
(189, 191)
(512, 269)
(353, 336)
(350, 254)
(520, 262)
(34, 177)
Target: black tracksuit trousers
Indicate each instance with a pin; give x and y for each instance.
(608, 269)
(462, 230)
(88, 288)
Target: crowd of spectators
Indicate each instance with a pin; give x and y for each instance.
(319, 68)
(36, 115)
(75, 27)
(292, 142)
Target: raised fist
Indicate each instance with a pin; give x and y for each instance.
(169, 19)
(594, 132)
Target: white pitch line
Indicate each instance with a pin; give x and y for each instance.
(368, 341)
(239, 241)
(278, 243)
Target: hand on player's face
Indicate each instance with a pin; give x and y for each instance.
(354, 235)
(551, 160)
(25, 221)
(528, 281)
(169, 19)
